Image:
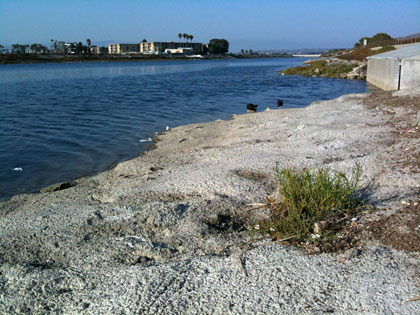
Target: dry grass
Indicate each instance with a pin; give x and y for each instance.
(362, 53)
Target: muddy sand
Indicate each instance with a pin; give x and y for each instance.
(168, 232)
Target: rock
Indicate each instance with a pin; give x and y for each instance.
(59, 186)
(317, 228)
(358, 73)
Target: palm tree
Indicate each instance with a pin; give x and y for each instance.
(191, 38)
(179, 36)
(88, 42)
(184, 35)
(54, 45)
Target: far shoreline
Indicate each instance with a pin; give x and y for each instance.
(36, 59)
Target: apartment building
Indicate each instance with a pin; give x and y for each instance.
(123, 49)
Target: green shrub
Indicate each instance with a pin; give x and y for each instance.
(312, 202)
(320, 68)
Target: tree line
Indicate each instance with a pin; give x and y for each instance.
(56, 47)
(187, 37)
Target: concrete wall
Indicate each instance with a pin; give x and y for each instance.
(410, 73)
(383, 73)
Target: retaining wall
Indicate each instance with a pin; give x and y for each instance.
(383, 73)
(410, 73)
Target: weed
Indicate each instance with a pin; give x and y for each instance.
(312, 205)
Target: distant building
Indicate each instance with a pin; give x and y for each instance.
(70, 48)
(155, 48)
(396, 69)
(60, 47)
(96, 50)
(179, 51)
(122, 49)
(20, 49)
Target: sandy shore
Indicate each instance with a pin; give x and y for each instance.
(167, 232)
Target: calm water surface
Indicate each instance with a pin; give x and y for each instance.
(62, 121)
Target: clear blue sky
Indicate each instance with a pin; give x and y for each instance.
(251, 23)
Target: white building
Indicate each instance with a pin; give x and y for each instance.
(179, 51)
(154, 48)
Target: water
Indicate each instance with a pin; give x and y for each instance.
(62, 121)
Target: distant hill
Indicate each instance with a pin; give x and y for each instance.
(300, 51)
(417, 35)
(237, 45)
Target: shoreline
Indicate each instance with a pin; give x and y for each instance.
(166, 231)
(36, 59)
(330, 67)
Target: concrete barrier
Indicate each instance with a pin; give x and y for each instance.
(383, 73)
(396, 69)
(410, 73)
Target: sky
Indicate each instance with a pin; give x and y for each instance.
(247, 24)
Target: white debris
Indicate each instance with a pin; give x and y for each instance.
(19, 169)
(146, 140)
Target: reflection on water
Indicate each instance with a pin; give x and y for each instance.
(62, 121)
(59, 71)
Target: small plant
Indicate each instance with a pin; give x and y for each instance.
(312, 205)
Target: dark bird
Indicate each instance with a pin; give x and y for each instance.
(251, 107)
(279, 103)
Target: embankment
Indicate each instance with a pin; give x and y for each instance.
(168, 232)
(330, 68)
(348, 64)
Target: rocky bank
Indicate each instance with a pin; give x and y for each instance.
(331, 67)
(168, 232)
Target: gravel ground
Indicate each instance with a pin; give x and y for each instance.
(168, 232)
